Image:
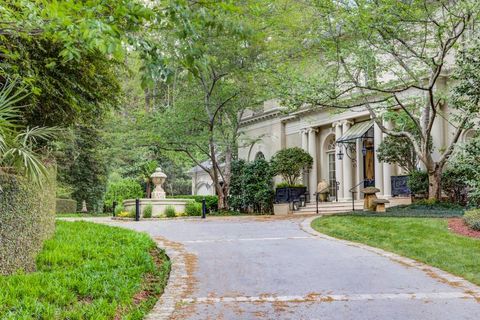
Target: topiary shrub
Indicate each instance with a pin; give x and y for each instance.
(170, 212)
(147, 212)
(472, 219)
(193, 209)
(66, 206)
(290, 163)
(27, 219)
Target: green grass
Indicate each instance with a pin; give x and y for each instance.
(82, 215)
(424, 239)
(87, 271)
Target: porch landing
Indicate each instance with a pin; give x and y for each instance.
(325, 208)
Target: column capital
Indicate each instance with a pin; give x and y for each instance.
(347, 122)
(311, 129)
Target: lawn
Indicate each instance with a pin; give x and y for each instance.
(424, 239)
(88, 271)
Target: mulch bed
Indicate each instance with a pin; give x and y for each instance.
(458, 226)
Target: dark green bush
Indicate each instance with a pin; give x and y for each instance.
(27, 219)
(193, 209)
(147, 212)
(210, 201)
(472, 219)
(122, 190)
(170, 212)
(251, 189)
(418, 182)
(66, 206)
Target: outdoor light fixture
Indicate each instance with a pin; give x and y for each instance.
(364, 150)
(340, 154)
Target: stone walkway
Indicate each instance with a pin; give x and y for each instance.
(280, 268)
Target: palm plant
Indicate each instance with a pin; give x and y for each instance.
(19, 152)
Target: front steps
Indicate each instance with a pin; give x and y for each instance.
(325, 208)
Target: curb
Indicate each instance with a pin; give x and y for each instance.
(433, 272)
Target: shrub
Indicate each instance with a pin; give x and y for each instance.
(454, 183)
(126, 214)
(66, 206)
(193, 209)
(27, 219)
(287, 185)
(122, 190)
(170, 212)
(251, 188)
(418, 182)
(290, 162)
(147, 212)
(472, 219)
(210, 201)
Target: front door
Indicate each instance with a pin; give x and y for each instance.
(369, 165)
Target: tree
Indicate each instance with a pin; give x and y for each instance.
(213, 61)
(391, 56)
(20, 152)
(289, 163)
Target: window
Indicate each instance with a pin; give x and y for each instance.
(259, 156)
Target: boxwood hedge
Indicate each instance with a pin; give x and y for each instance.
(27, 219)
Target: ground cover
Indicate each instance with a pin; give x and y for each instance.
(88, 271)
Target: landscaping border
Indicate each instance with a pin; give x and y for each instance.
(436, 273)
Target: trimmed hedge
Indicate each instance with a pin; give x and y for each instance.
(193, 209)
(210, 201)
(66, 206)
(472, 219)
(27, 219)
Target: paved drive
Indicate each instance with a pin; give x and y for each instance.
(260, 268)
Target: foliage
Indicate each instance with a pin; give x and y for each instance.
(455, 184)
(27, 219)
(423, 239)
(193, 208)
(82, 166)
(105, 266)
(170, 212)
(119, 209)
(69, 54)
(122, 190)
(19, 144)
(147, 211)
(418, 182)
(369, 54)
(287, 185)
(126, 214)
(472, 219)
(252, 186)
(398, 150)
(290, 162)
(210, 201)
(66, 206)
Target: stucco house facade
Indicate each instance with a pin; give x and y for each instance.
(342, 144)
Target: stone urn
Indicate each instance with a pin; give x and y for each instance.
(158, 178)
(323, 190)
(370, 197)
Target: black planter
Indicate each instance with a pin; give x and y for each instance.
(289, 194)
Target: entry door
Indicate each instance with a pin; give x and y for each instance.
(369, 165)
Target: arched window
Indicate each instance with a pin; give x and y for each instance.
(467, 136)
(260, 156)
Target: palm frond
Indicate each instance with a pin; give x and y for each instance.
(28, 161)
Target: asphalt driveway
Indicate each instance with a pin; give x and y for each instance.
(267, 268)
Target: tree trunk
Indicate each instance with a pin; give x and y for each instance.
(149, 190)
(435, 183)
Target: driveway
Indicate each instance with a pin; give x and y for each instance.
(271, 268)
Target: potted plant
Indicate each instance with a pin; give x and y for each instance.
(289, 164)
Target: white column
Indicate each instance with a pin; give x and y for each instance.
(304, 139)
(387, 170)
(347, 168)
(359, 168)
(338, 163)
(312, 150)
(377, 139)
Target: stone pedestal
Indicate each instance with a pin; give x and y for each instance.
(370, 197)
